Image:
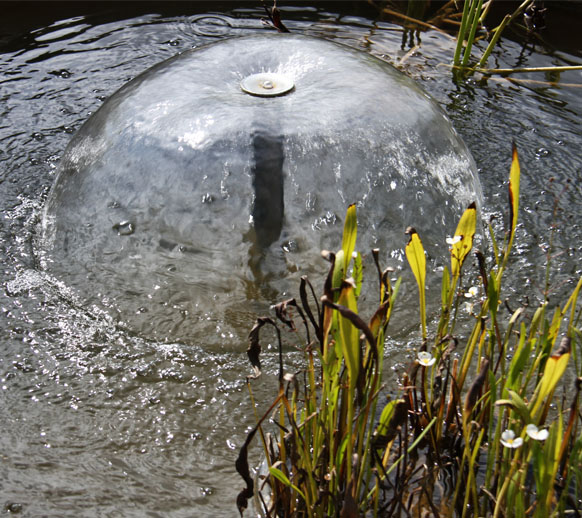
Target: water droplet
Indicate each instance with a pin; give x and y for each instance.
(207, 198)
(542, 152)
(37, 136)
(64, 73)
(174, 43)
(290, 246)
(124, 228)
(13, 508)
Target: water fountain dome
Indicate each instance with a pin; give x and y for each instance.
(188, 201)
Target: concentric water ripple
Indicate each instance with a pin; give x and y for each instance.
(97, 422)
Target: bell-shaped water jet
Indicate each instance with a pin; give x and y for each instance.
(188, 201)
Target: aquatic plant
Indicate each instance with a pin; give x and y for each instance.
(472, 23)
(481, 427)
(467, 18)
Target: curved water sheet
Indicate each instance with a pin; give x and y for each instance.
(185, 205)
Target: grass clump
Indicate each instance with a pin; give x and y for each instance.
(481, 428)
(466, 20)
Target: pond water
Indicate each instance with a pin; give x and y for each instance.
(98, 422)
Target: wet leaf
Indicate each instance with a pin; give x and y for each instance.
(554, 369)
(445, 287)
(356, 320)
(379, 318)
(463, 239)
(281, 477)
(349, 236)
(482, 269)
(514, 176)
(242, 468)
(417, 261)
(519, 360)
(391, 418)
(516, 403)
(358, 272)
(328, 294)
(338, 269)
(493, 294)
(282, 313)
(350, 336)
(254, 350)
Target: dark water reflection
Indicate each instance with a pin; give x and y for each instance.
(96, 422)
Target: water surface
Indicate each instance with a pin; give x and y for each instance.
(97, 422)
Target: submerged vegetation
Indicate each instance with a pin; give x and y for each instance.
(485, 424)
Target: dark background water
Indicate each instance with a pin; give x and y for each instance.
(96, 422)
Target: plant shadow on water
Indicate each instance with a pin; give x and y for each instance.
(97, 421)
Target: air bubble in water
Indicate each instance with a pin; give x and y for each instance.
(124, 228)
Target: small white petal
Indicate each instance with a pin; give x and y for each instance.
(536, 434)
(469, 307)
(425, 359)
(473, 291)
(509, 440)
(508, 435)
(453, 240)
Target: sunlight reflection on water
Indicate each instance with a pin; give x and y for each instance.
(101, 422)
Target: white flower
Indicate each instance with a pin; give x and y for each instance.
(535, 433)
(425, 359)
(473, 291)
(469, 307)
(509, 440)
(452, 240)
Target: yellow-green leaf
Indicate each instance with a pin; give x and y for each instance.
(281, 477)
(445, 287)
(349, 236)
(358, 272)
(386, 417)
(463, 239)
(416, 258)
(349, 333)
(519, 405)
(417, 261)
(514, 175)
(573, 300)
(555, 367)
(339, 269)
